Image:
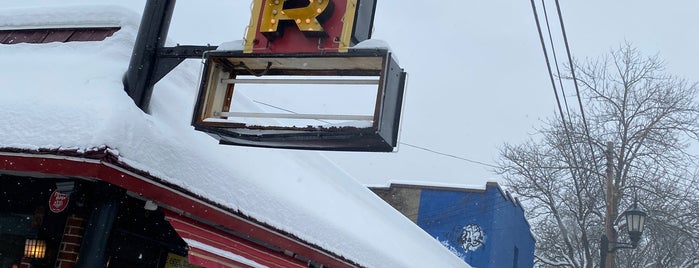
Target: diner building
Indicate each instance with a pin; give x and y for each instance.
(88, 179)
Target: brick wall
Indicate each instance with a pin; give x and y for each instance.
(404, 199)
(70, 243)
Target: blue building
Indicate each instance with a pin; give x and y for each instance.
(484, 227)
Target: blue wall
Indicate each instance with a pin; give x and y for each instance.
(485, 229)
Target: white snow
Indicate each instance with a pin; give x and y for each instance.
(65, 16)
(235, 45)
(223, 253)
(372, 44)
(70, 95)
(429, 184)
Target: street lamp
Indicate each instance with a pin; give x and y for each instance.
(635, 223)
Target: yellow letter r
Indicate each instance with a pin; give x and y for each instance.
(306, 14)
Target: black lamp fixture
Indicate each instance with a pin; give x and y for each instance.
(635, 224)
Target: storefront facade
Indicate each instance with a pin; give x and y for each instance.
(92, 221)
(69, 211)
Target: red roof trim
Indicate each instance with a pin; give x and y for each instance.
(193, 230)
(40, 36)
(209, 260)
(173, 199)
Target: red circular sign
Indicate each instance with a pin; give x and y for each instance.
(58, 201)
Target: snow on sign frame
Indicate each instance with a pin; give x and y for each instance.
(292, 48)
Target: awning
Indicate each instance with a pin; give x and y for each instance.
(211, 247)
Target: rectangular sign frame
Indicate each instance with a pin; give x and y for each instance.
(219, 77)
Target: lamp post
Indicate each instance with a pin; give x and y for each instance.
(635, 222)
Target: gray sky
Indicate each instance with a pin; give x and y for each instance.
(477, 76)
(471, 85)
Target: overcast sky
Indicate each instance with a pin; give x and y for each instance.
(477, 76)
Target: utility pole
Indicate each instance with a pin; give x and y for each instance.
(611, 212)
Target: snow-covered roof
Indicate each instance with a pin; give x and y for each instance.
(427, 184)
(70, 96)
(446, 186)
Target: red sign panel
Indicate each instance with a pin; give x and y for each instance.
(305, 26)
(58, 201)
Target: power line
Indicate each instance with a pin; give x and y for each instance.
(449, 155)
(555, 59)
(555, 91)
(275, 107)
(548, 64)
(577, 88)
(403, 143)
(575, 80)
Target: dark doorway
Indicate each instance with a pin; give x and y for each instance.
(142, 238)
(24, 215)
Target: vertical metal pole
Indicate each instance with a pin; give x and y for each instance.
(152, 33)
(603, 250)
(610, 235)
(93, 249)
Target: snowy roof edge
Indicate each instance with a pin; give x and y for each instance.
(432, 184)
(66, 16)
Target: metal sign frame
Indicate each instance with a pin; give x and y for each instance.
(222, 68)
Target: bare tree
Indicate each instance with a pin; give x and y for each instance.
(652, 118)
